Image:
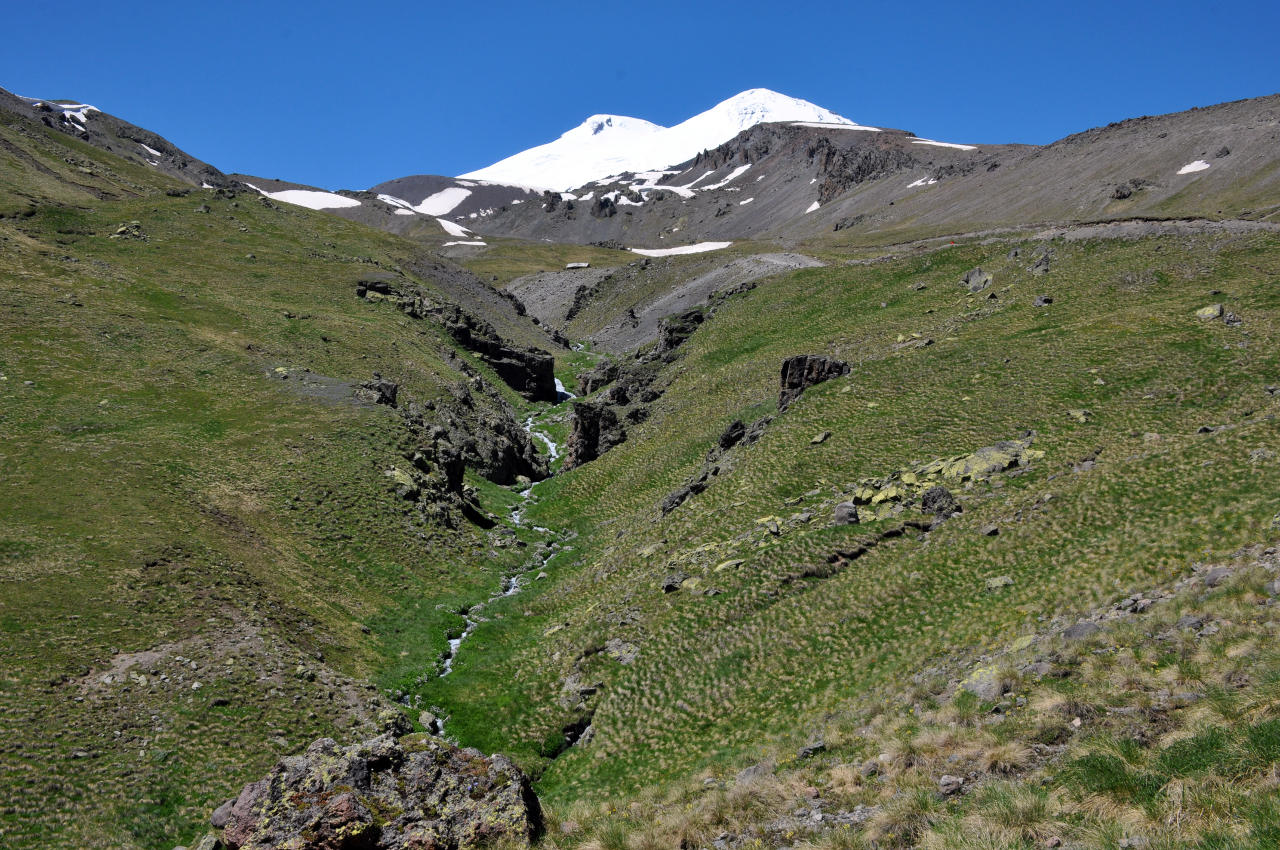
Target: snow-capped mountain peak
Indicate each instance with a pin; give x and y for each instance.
(606, 145)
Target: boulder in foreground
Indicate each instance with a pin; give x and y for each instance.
(389, 793)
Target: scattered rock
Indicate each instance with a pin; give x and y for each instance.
(672, 582)
(1042, 301)
(998, 582)
(1080, 414)
(1189, 622)
(991, 530)
(1213, 311)
(820, 438)
(812, 749)
(948, 784)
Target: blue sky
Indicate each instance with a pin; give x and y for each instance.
(346, 95)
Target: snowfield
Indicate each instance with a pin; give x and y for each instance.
(1193, 167)
(606, 145)
(699, 248)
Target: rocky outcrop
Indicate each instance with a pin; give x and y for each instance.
(595, 430)
(803, 371)
(603, 373)
(389, 793)
(923, 485)
(528, 371)
(735, 434)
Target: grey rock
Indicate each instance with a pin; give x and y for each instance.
(1217, 576)
(805, 370)
(992, 530)
(939, 501)
(976, 280)
(1081, 630)
(1042, 301)
(948, 784)
(1189, 622)
(846, 513)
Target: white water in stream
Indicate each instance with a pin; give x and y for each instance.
(510, 584)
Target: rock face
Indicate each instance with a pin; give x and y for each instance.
(803, 371)
(528, 371)
(595, 430)
(388, 793)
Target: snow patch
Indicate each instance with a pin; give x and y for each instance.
(309, 198)
(698, 248)
(151, 150)
(1193, 167)
(480, 244)
(812, 207)
(944, 144)
(733, 175)
(923, 181)
(453, 229)
(402, 212)
(744, 203)
(443, 202)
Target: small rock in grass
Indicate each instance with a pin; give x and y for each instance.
(1217, 577)
(992, 530)
(1081, 630)
(1042, 301)
(998, 582)
(1213, 311)
(820, 438)
(949, 784)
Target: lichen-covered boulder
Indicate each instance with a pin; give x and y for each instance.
(388, 793)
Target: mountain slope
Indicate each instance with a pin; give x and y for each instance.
(606, 145)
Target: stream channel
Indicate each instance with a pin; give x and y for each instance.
(511, 585)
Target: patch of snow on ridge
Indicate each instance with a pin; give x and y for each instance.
(443, 202)
(453, 229)
(403, 212)
(309, 198)
(480, 244)
(944, 144)
(151, 150)
(733, 175)
(812, 207)
(395, 202)
(744, 203)
(698, 248)
(831, 125)
(1193, 167)
(923, 181)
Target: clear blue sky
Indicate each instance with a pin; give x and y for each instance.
(346, 95)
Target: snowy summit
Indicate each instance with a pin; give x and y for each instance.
(606, 145)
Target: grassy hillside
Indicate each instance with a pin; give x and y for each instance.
(203, 561)
(1123, 500)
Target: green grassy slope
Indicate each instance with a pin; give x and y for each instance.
(774, 652)
(201, 562)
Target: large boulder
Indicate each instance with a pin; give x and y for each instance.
(388, 793)
(803, 371)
